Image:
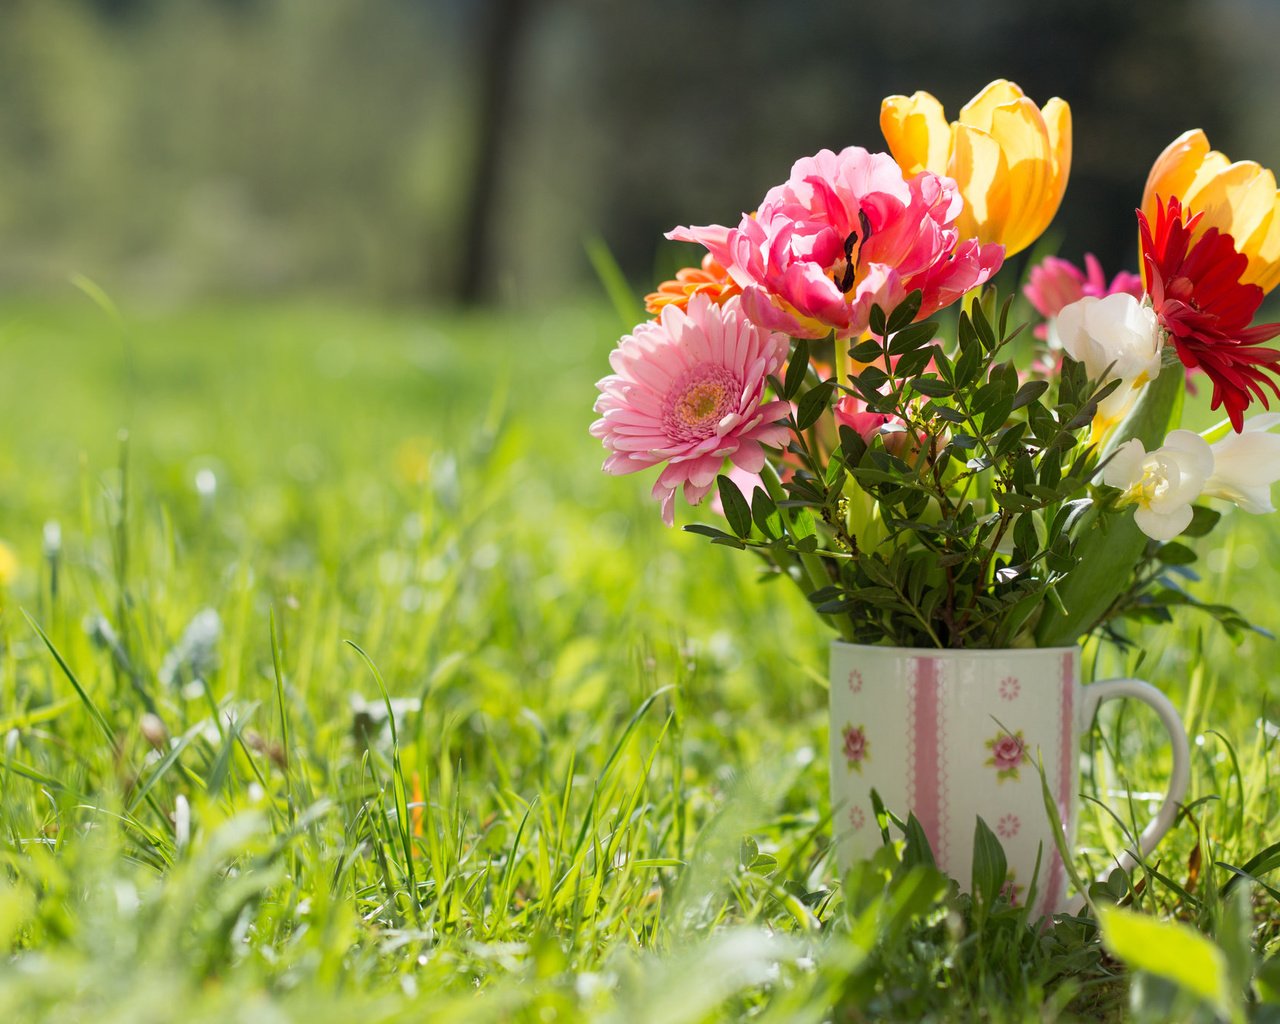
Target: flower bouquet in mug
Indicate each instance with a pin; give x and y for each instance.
(942, 483)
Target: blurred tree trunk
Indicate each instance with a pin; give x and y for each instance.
(499, 37)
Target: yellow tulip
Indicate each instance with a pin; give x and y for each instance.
(1009, 158)
(1239, 199)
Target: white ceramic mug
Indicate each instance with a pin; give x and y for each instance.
(954, 735)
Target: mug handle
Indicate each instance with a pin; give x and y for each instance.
(1113, 689)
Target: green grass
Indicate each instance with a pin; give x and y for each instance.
(602, 792)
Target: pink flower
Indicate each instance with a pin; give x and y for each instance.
(855, 746)
(844, 232)
(1055, 283)
(1008, 752)
(688, 390)
(852, 412)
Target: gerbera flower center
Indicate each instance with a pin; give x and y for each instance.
(699, 401)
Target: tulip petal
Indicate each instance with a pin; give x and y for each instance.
(1174, 170)
(1057, 122)
(1020, 132)
(1265, 245)
(917, 132)
(980, 110)
(1238, 199)
(980, 172)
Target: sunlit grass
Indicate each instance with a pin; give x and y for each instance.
(595, 783)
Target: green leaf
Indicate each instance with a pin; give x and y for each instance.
(876, 321)
(1169, 950)
(983, 326)
(931, 387)
(866, 351)
(912, 363)
(907, 310)
(990, 868)
(802, 525)
(736, 509)
(717, 536)
(765, 514)
(1110, 545)
(917, 849)
(813, 404)
(1203, 520)
(796, 370)
(1029, 392)
(1175, 554)
(911, 338)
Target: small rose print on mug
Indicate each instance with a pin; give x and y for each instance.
(856, 747)
(1010, 688)
(856, 818)
(1008, 826)
(1008, 752)
(855, 681)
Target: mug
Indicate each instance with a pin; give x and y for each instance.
(954, 735)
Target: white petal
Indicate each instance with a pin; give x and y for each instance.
(1162, 526)
(1125, 466)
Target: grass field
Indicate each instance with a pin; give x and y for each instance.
(602, 790)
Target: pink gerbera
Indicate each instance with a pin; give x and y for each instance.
(845, 232)
(688, 390)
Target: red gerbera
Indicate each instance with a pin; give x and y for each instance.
(1198, 298)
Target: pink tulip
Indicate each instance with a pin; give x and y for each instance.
(847, 231)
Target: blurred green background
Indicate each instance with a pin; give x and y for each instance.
(325, 261)
(423, 151)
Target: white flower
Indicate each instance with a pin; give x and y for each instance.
(1245, 465)
(1116, 331)
(1115, 337)
(1162, 483)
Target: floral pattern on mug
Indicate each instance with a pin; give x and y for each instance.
(856, 747)
(856, 818)
(1008, 826)
(855, 681)
(1008, 752)
(1009, 688)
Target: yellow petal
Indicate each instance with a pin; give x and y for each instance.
(1214, 163)
(1263, 249)
(1020, 132)
(1238, 200)
(1174, 170)
(1057, 121)
(980, 171)
(917, 132)
(979, 111)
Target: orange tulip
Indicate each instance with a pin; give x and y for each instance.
(1239, 199)
(1009, 158)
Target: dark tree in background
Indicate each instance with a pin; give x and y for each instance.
(503, 26)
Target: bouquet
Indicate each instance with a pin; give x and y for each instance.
(842, 373)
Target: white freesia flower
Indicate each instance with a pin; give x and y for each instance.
(1162, 483)
(1114, 336)
(1116, 331)
(1245, 465)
